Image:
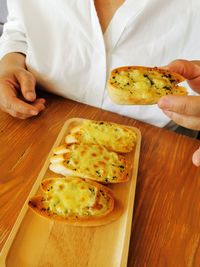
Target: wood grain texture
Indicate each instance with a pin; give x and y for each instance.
(166, 220)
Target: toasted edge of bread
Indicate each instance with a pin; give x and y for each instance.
(124, 97)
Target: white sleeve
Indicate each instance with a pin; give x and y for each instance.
(13, 38)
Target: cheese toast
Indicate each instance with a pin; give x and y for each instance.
(72, 200)
(113, 136)
(138, 85)
(90, 161)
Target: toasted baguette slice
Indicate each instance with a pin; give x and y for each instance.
(73, 200)
(113, 136)
(137, 85)
(93, 162)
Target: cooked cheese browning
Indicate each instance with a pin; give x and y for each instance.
(91, 161)
(143, 85)
(73, 198)
(110, 135)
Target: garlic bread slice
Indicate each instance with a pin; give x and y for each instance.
(113, 136)
(73, 200)
(138, 85)
(92, 161)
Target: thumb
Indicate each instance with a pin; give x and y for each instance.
(27, 83)
(186, 105)
(196, 157)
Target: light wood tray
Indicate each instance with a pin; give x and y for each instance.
(39, 242)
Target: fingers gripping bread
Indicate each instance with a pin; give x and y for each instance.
(113, 136)
(137, 85)
(72, 199)
(90, 161)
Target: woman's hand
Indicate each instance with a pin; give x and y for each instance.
(17, 88)
(185, 110)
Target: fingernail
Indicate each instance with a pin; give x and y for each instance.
(30, 96)
(34, 112)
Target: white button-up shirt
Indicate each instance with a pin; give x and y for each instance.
(70, 56)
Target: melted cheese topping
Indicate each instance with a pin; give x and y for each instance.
(110, 135)
(74, 198)
(95, 161)
(146, 83)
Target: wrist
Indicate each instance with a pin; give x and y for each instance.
(13, 59)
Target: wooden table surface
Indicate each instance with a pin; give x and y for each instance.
(166, 219)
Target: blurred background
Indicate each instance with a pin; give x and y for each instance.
(3, 14)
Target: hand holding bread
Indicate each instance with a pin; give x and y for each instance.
(184, 110)
(145, 86)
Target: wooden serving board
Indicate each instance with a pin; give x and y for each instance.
(39, 242)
